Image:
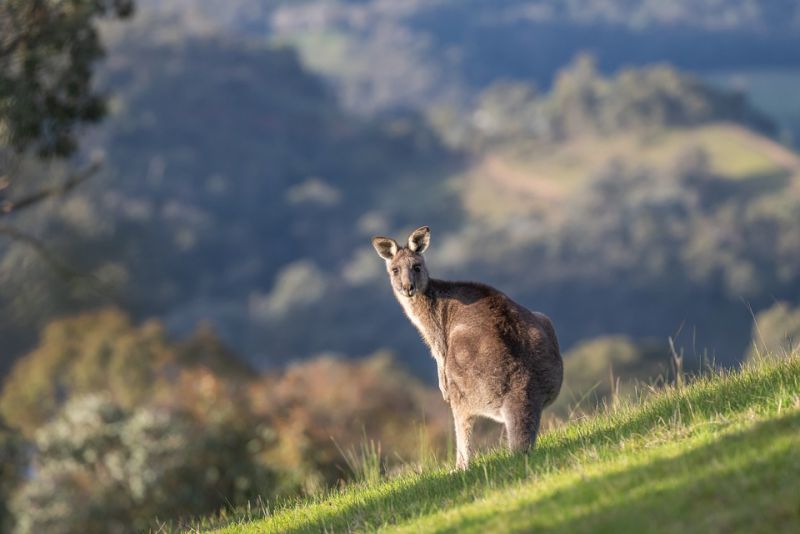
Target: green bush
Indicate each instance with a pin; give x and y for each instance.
(104, 351)
(100, 468)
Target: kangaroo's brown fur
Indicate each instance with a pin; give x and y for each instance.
(495, 358)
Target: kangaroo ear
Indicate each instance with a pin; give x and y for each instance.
(419, 239)
(385, 247)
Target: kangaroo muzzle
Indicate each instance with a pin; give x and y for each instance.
(409, 290)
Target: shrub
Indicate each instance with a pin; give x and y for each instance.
(326, 408)
(104, 351)
(100, 468)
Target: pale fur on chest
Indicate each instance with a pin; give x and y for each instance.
(422, 316)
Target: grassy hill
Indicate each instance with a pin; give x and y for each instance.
(717, 455)
(520, 177)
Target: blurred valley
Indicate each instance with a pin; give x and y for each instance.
(629, 168)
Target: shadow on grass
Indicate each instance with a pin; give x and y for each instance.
(433, 491)
(699, 491)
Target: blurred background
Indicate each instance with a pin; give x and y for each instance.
(191, 314)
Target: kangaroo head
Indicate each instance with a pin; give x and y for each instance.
(405, 265)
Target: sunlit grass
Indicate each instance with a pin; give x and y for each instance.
(734, 152)
(718, 454)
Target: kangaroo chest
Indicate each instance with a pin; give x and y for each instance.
(422, 315)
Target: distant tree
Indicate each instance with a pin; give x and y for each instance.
(506, 110)
(577, 96)
(47, 53)
(583, 102)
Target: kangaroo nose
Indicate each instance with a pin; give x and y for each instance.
(409, 289)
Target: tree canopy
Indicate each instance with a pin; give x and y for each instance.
(47, 53)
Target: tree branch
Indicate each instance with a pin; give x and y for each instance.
(33, 242)
(11, 46)
(9, 206)
(70, 274)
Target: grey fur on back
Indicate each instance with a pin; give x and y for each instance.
(495, 358)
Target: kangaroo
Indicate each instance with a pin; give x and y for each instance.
(495, 358)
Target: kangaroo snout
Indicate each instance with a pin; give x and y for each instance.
(409, 290)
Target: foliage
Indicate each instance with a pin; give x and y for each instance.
(709, 450)
(582, 102)
(327, 407)
(46, 58)
(103, 351)
(48, 92)
(138, 427)
(100, 468)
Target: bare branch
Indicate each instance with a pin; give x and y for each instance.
(10, 206)
(70, 274)
(33, 242)
(11, 45)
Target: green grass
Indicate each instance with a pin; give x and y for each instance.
(722, 454)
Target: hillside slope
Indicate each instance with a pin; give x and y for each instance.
(523, 177)
(718, 455)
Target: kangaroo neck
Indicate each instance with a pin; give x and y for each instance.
(427, 312)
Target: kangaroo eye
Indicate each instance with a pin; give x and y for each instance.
(417, 268)
(395, 270)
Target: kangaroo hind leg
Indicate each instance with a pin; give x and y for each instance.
(522, 424)
(463, 424)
